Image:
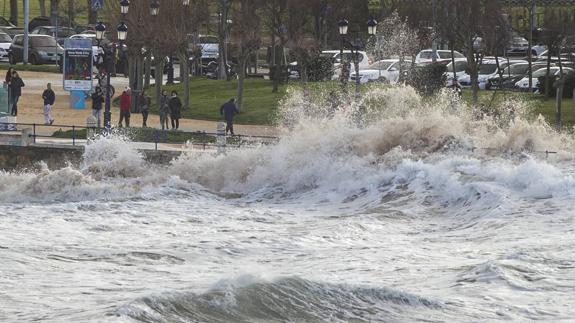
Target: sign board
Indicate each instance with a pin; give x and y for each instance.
(78, 62)
(97, 5)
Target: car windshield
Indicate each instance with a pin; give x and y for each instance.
(543, 71)
(487, 68)
(64, 32)
(447, 54)
(517, 69)
(4, 38)
(209, 40)
(380, 66)
(459, 67)
(43, 42)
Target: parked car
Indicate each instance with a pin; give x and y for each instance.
(386, 70)
(511, 74)
(335, 55)
(46, 21)
(5, 42)
(12, 31)
(460, 68)
(523, 84)
(42, 49)
(60, 33)
(443, 56)
(487, 70)
(4, 22)
(517, 46)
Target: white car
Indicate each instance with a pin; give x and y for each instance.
(5, 41)
(523, 84)
(487, 70)
(460, 68)
(335, 55)
(443, 55)
(386, 70)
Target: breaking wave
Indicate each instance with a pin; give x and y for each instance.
(389, 140)
(283, 300)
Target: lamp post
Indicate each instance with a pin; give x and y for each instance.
(354, 47)
(122, 33)
(343, 26)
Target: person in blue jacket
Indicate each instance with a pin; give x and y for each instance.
(228, 110)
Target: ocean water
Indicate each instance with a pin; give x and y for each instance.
(397, 209)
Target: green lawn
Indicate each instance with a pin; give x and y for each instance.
(539, 104)
(32, 68)
(80, 6)
(207, 95)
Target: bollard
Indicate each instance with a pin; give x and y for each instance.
(221, 137)
(91, 123)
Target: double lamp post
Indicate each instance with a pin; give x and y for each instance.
(354, 46)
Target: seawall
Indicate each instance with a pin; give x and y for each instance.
(19, 157)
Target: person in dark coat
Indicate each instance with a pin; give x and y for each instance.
(16, 85)
(9, 75)
(49, 98)
(175, 105)
(97, 101)
(144, 102)
(228, 110)
(164, 110)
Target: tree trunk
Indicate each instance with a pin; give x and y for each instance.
(54, 12)
(14, 12)
(241, 77)
(92, 14)
(71, 12)
(42, 4)
(158, 80)
(223, 33)
(547, 81)
(473, 75)
(185, 79)
(148, 70)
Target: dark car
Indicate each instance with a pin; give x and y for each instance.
(511, 74)
(6, 23)
(12, 31)
(46, 21)
(60, 33)
(43, 49)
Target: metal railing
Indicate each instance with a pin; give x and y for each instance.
(156, 137)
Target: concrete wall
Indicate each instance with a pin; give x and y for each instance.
(17, 157)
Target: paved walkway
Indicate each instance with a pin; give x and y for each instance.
(30, 108)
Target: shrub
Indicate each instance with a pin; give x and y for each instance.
(427, 79)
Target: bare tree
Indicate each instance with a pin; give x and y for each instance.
(14, 12)
(223, 32)
(299, 40)
(247, 37)
(275, 11)
(54, 11)
(42, 5)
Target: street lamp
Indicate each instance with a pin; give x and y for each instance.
(372, 27)
(122, 31)
(343, 25)
(124, 6)
(100, 30)
(155, 8)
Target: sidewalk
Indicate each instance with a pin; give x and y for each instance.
(30, 108)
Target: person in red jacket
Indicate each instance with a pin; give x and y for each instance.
(125, 104)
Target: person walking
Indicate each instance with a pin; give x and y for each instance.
(228, 110)
(97, 101)
(144, 102)
(49, 98)
(7, 81)
(164, 110)
(175, 105)
(9, 75)
(16, 85)
(125, 104)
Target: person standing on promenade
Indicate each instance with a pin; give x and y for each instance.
(164, 110)
(16, 85)
(125, 104)
(97, 101)
(228, 110)
(175, 105)
(49, 98)
(144, 102)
